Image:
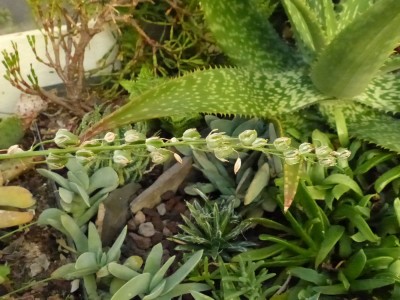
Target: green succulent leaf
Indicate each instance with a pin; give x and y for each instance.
(245, 35)
(153, 261)
(135, 286)
(182, 272)
(94, 240)
(355, 265)
(74, 232)
(342, 72)
(332, 236)
(121, 271)
(114, 252)
(235, 91)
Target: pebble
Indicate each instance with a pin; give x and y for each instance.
(172, 227)
(132, 225)
(162, 209)
(158, 223)
(150, 212)
(180, 207)
(166, 232)
(157, 237)
(167, 195)
(146, 229)
(141, 242)
(139, 217)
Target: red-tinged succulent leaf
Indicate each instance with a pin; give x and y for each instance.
(291, 176)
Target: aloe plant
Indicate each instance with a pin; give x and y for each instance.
(343, 64)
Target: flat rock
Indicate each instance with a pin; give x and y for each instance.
(170, 180)
(146, 229)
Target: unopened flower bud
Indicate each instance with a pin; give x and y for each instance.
(84, 156)
(342, 153)
(14, 149)
(64, 138)
(327, 161)
(248, 137)
(109, 137)
(259, 142)
(322, 151)
(305, 148)
(291, 157)
(160, 156)
(191, 135)
(154, 143)
(282, 143)
(56, 161)
(133, 136)
(215, 140)
(122, 157)
(224, 152)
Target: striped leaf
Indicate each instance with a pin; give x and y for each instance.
(225, 91)
(245, 35)
(349, 63)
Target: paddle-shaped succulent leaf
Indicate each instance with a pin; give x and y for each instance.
(15, 197)
(347, 49)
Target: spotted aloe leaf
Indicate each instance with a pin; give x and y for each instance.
(366, 123)
(355, 56)
(306, 25)
(227, 90)
(245, 35)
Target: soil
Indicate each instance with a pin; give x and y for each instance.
(34, 253)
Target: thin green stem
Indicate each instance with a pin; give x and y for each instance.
(17, 230)
(28, 286)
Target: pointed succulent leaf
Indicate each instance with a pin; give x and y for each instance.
(153, 260)
(133, 287)
(260, 180)
(80, 240)
(350, 9)
(382, 94)
(114, 252)
(291, 176)
(156, 291)
(366, 124)
(182, 272)
(81, 192)
(87, 261)
(69, 272)
(354, 57)
(79, 177)
(332, 236)
(54, 176)
(225, 90)
(392, 64)
(307, 27)
(159, 275)
(105, 178)
(245, 35)
(325, 12)
(94, 241)
(184, 288)
(121, 271)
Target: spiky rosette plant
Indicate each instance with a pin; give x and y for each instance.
(343, 61)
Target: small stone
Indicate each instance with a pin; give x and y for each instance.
(139, 217)
(132, 225)
(146, 229)
(166, 232)
(150, 212)
(161, 209)
(170, 203)
(172, 227)
(140, 241)
(180, 207)
(167, 195)
(158, 223)
(157, 237)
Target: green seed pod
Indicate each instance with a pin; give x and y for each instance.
(282, 143)
(224, 152)
(327, 161)
(84, 156)
(215, 140)
(160, 156)
(122, 157)
(65, 139)
(292, 156)
(247, 137)
(323, 151)
(133, 136)
(305, 148)
(154, 143)
(56, 161)
(191, 135)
